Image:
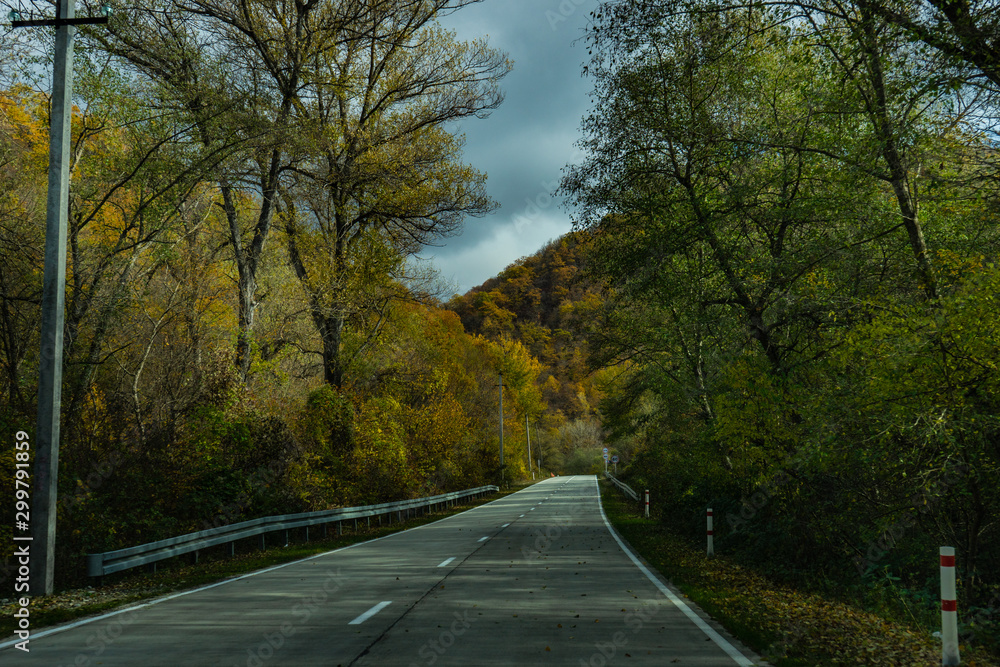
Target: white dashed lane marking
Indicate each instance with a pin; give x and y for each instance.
(371, 612)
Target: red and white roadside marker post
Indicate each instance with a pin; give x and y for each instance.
(647, 503)
(710, 532)
(949, 609)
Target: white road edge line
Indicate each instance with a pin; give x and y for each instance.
(720, 641)
(521, 517)
(505, 525)
(371, 612)
(483, 539)
(124, 610)
(445, 562)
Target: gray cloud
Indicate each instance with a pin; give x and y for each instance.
(525, 143)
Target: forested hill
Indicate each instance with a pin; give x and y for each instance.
(543, 301)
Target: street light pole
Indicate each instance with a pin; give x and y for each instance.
(43, 524)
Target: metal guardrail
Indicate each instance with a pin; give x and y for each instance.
(123, 559)
(623, 487)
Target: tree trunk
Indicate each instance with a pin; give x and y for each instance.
(889, 147)
(333, 363)
(330, 327)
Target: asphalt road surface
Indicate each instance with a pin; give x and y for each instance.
(534, 578)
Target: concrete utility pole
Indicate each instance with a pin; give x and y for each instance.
(43, 562)
(527, 435)
(43, 517)
(501, 431)
(539, 449)
(539, 443)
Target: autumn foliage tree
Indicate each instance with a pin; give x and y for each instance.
(250, 181)
(385, 177)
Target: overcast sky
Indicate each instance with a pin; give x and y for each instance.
(525, 143)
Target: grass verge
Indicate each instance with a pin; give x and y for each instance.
(176, 575)
(788, 627)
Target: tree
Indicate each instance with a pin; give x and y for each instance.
(959, 29)
(672, 178)
(329, 90)
(136, 177)
(385, 178)
(22, 208)
(235, 72)
(750, 170)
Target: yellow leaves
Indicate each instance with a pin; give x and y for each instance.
(23, 120)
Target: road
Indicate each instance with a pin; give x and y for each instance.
(534, 578)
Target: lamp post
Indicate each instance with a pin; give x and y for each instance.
(43, 525)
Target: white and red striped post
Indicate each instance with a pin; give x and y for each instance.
(709, 532)
(949, 609)
(647, 503)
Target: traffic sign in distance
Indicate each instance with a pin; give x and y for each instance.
(614, 459)
(605, 450)
(605, 457)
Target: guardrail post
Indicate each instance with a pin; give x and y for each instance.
(286, 538)
(710, 533)
(232, 549)
(647, 503)
(307, 533)
(263, 543)
(949, 609)
(340, 528)
(95, 565)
